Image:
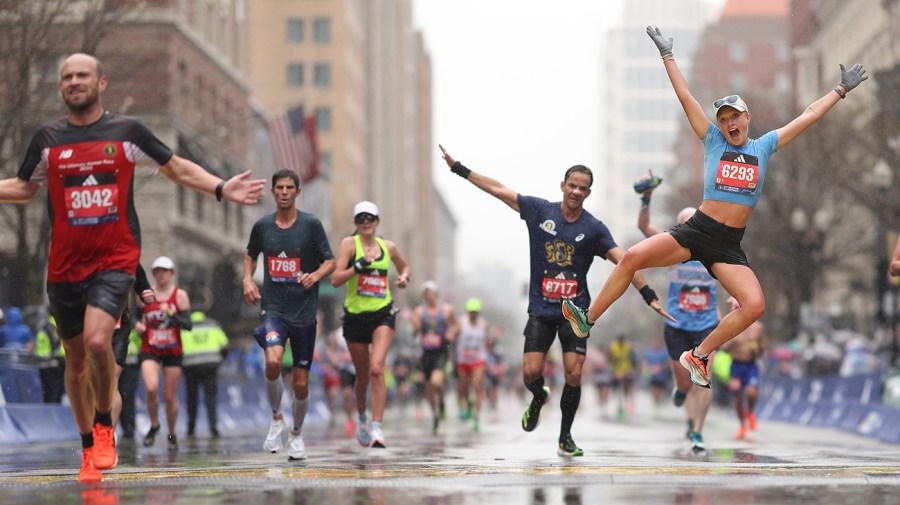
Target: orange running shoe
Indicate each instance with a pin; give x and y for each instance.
(88, 473)
(751, 421)
(741, 432)
(105, 457)
(697, 367)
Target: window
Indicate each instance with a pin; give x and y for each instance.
(322, 75)
(325, 158)
(783, 51)
(738, 51)
(295, 75)
(323, 119)
(738, 82)
(182, 200)
(198, 205)
(295, 30)
(782, 82)
(322, 30)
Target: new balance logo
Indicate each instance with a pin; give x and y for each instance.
(90, 181)
(740, 159)
(282, 255)
(65, 154)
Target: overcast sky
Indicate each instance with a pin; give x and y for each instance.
(516, 97)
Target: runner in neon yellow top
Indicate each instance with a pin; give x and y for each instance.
(363, 263)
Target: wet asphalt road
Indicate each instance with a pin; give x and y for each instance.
(644, 459)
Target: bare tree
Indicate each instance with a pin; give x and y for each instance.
(34, 36)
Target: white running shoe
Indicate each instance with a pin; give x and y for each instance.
(377, 436)
(274, 441)
(296, 449)
(362, 434)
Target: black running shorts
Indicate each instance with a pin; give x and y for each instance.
(107, 291)
(540, 331)
(678, 341)
(358, 328)
(710, 242)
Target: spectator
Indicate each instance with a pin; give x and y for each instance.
(49, 351)
(15, 334)
(205, 346)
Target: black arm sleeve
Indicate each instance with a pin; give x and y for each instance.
(141, 283)
(183, 320)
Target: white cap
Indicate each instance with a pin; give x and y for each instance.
(163, 262)
(365, 207)
(430, 286)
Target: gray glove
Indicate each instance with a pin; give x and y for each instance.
(663, 44)
(851, 78)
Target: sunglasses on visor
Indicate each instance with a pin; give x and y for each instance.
(730, 99)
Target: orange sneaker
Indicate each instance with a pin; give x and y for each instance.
(105, 457)
(741, 432)
(88, 473)
(697, 367)
(751, 421)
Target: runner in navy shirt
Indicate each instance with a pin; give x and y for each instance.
(564, 239)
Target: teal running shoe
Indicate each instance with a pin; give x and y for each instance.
(577, 318)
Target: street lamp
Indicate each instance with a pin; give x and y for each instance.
(810, 239)
(882, 177)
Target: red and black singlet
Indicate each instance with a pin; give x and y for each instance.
(89, 172)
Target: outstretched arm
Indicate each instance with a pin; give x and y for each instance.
(692, 108)
(849, 80)
(238, 189)
(15, 190)
(482, 182)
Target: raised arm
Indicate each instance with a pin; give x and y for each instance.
(692, 108)
(849, 80)
(482, 182)
(647, 228)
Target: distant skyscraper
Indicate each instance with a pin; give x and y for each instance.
(640, 111)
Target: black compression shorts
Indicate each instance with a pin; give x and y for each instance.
(107, 291)
(710, 242)
(541, 331)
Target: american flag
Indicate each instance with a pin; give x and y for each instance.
(293, 138)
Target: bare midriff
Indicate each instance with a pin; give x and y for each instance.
(730, 214)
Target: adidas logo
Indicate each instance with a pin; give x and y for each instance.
(90, 181)
(282, 255)
(740, 159)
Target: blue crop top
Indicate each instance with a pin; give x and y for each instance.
(735, 173)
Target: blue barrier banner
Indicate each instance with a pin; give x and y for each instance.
(9, 432)
(242, 405)
(42, 422)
